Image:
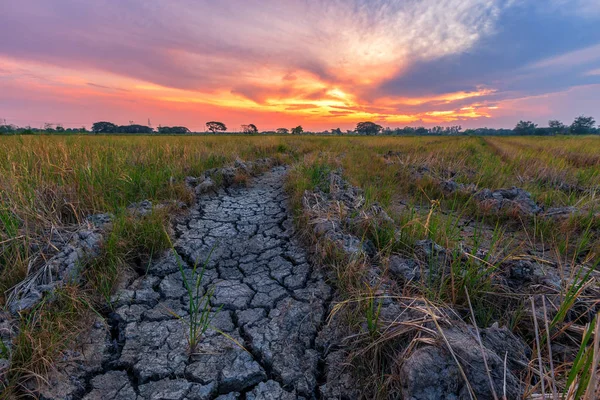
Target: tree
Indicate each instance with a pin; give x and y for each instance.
(544, 131)
(249, 129)
(48, 126)
(173, 130)
(525, 128)
(104, 127)
(556, 126)
(368, 128)
(215, 126)
(133, 128)
(6, 129)
(453, 130)
(408, 130)
(336, 131)
(282, 131)
(582, 125)
(297, 130)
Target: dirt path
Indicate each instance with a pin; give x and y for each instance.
(273, 303)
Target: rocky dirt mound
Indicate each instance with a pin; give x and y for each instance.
(75, 246)
(445, 359)
(513, 202)
(509, 201)
(262, 342)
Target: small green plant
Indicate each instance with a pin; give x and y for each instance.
(13, 251)
(130, 242)
(382, 234)
(572, 293)
(4, 350)
(372, 314)
(585, 365)
(218, 178)
(44, 332)
(319, 176)
(201, 312)
(214, 161)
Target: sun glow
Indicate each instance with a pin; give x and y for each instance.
(295, 95)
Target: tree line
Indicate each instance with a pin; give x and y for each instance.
(582, 125)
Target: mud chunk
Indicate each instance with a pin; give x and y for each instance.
(514, 201)
(404, 269)
(270, 390)
(111, 385)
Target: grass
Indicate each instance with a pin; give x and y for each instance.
(42, 334)
(585, 365)
(49, 328)
(131, 241)
(468, 277)
(200, 313)
(50, 182)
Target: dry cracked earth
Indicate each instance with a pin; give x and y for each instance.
(273, 301)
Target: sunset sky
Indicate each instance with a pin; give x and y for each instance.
(281, 63)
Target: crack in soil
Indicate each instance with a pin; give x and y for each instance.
(273, 302)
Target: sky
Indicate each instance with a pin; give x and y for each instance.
(316, 63)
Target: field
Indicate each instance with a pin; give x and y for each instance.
(506, 252)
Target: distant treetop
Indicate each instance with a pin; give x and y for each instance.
(583, 125)
(525, 128)
(556, 126)
(104, 127)
(108, 127)
(250, 129)
(368, 128)
(215, 126)
(171, 130)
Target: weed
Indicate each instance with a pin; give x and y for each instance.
(43, 332)
(319, 176)
(200, 313)
(131, 241)
(573, 292)
(373, 310)
(582, 378)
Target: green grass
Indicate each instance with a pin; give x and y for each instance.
(581, 371)
(55, 181)
(468, 282)
(200, 313)
(131, 241)
(43, 332)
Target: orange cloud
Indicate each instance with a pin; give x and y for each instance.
(306, 99)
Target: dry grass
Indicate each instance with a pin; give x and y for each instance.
(42, 334)
(389, 171)
(48, 183)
